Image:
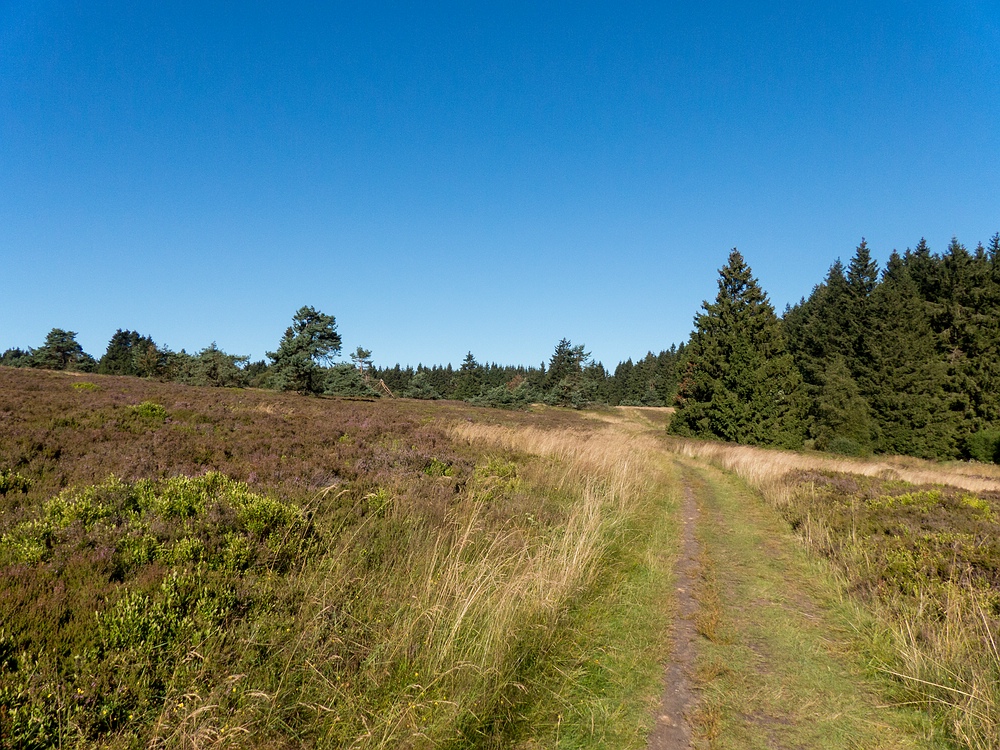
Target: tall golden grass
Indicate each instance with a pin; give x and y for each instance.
(457, 638)
(762, 467)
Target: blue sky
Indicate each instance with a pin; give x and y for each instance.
(484, 177)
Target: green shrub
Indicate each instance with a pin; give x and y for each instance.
(84, 386)
(142, 417)
(151, 411)
(984, 446)
(438, 468)
(845, 446)
(11, 481)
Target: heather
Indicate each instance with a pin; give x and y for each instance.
(205, 567)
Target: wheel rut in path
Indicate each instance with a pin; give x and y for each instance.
(672, 730)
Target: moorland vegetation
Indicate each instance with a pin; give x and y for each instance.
(916, 547)
(194, 567)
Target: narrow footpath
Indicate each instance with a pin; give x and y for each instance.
(766, 652)
(672, 730)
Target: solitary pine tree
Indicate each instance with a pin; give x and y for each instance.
(62, 352)
(740, 383)
(309, 343)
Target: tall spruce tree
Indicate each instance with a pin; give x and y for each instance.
(468, 381)
(740, 382)
(816, 330)
(858, 322)
(130, 353)
(830, 336)
(911, 401)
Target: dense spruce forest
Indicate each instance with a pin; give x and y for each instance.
(904, 360)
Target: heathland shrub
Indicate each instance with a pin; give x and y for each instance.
(11, 481)
(161, 568)
(984, 446)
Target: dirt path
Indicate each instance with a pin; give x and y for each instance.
(773, 662)
(672, 730)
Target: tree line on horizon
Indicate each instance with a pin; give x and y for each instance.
(905, 360)
(304, 362)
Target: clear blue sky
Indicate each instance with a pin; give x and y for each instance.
(485, 177)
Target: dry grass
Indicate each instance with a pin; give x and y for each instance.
(762, 467)
(469, 627)
(626, 460)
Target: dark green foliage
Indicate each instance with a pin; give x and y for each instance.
(468, 379)
(919, 347)
(130, 353)
(256, 374)
(518, 394)
(651, 381)
(908, 393)
(62, 352)
(16, 358)
(308, 344)
(984, 446)
(567, 362)
(420, 386)
(347, 380)
(843, 422)
(573, 379)
(210, 367)
(832, 339)
(739, 383)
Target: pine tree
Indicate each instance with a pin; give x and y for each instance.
(843, 421)
(858, 323)
(469, 379)
(130, 353)
(740, 383)
(816, 330)
(308, 344)
(570, 380)
(62, 352)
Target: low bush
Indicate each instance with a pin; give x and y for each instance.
(113, 585)
(984, 446)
